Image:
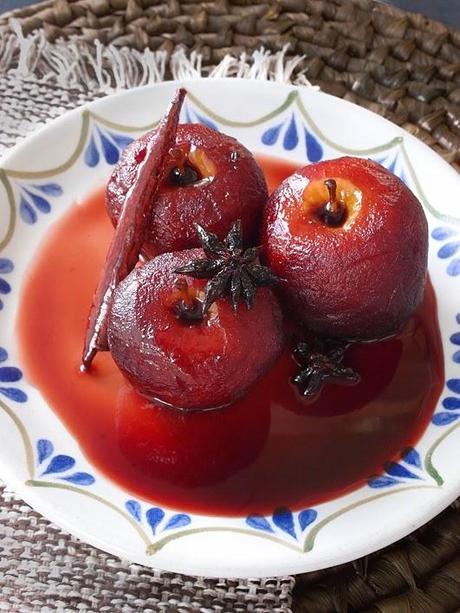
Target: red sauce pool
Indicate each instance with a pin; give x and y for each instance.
(269, 449)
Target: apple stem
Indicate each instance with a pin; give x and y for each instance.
(334, 209)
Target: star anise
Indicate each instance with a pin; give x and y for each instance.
(320, 363)
(232, 271)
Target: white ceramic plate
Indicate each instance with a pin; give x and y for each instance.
(66, 160)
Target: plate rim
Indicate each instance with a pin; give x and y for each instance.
(28, 495)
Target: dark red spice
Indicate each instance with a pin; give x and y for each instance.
(125, 246)
(270, 449)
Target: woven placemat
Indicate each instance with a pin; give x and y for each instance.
(400, 65)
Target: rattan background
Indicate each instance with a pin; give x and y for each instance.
(398, 64)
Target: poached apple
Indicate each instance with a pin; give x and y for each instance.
(349, 242)
(185, 351)
(212, 181)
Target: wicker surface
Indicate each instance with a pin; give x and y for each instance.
(400, 65)
(44, 569)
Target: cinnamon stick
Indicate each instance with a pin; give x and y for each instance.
(124, 250)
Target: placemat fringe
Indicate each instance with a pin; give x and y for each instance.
(105, 69)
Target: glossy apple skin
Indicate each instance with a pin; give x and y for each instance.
(363, 282)
(237, 191)
(189, 366)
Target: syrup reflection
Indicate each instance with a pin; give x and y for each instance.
(193, 449)
(376, 364)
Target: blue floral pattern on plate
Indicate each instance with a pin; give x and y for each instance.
(293, 524)
(35, 199)
(450, 238)
(394, 164)
(409, 468)
(8, 375)
(291, 138)
(60, 466)
(157, 518)
(451, 404)
(107, 143)
(6, 267)
(192, 116)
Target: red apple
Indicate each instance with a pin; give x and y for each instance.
(349, 241)
(172, 353)
(213, 180)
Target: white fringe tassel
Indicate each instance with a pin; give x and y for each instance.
(96, 67)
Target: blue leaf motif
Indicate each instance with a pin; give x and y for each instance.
(448, 250)
(111, 152)
(397, 470)
(5, 288)
(91, 154)
(154, 516)
(442, 233)
(313, 147)
(291, 138)
(404, 179)
(382, 481)
(45, 449)
(134, 508)
(454, 385)
(50, 189)
(80, 479)
(284, 519)
(9, 374)
(412, 456)
(3, 354)
(259, 523)
(206, 122)
(59, 464)
(392, 165)
(6, 266)
(443, 419)
(451, 404)
(307, 517)
(121, 140)
(27, 212)
(270, 136)
(178, 521)
(454, 268)
(13, 393)
(188, 116)
(41, 203)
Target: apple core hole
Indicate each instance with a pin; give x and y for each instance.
(184, 176)
(185, 304)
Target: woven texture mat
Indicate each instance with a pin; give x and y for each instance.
(400, 65)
